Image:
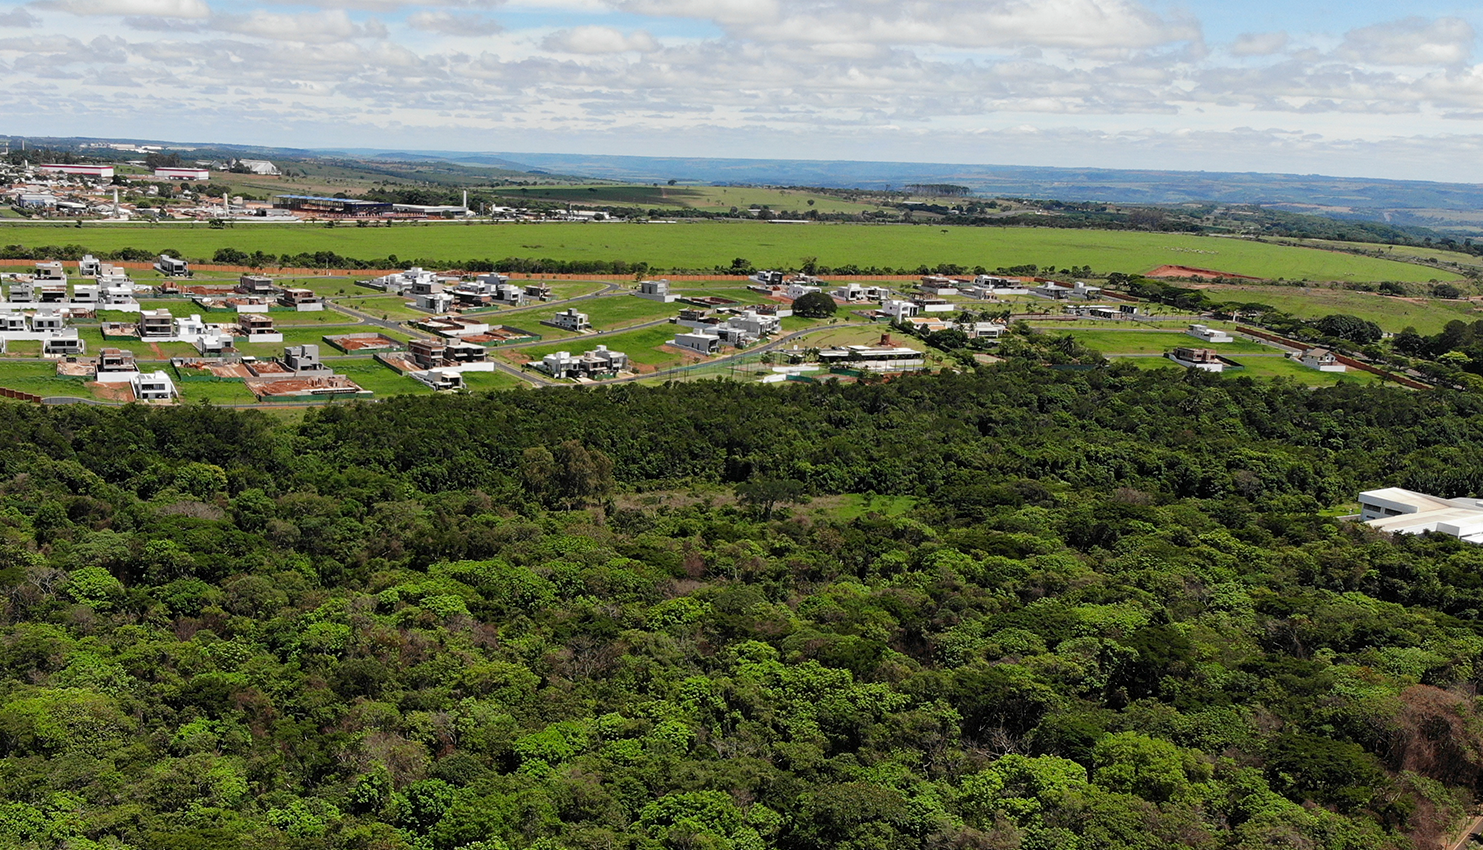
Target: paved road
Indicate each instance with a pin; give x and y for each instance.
(1474, 828)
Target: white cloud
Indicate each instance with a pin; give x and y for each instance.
(328, 26)
(450, 23)
(1410, 41)
(142, 8)
(599, 40)
(19, 18)
(1259, 43)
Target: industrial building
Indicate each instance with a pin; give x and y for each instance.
(331, 206)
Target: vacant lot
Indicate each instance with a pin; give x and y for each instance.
(703, 245)
(645, 347)
(614, 311)
(1271, 367)
(1112, 342)
(1391, 314)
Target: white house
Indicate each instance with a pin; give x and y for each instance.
(699, 342)
(797, 290)
(153, 386)
(656, 290)
(1207, 334)
(1397, 511)
(570, 320)
(873, 358)
(1319, 358)
(854, 293)
(1203, 359)
(899, 310)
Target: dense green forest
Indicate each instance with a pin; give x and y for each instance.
(1089, 610)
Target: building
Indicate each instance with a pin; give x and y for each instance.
(171, 267)
(302, 300)
(1204, 359)
(933, 304)
(991, 331)
(656, 290)
(570, 320)
(256, 284)
(182, 173)
(440, 379)
(882, 357)
(599, 362)
(259, 166)
(900, 310)
(116, 366)
(939, 285)
(1319, 358)
(433, 302)
(854, 293)
(153, 386)
(101, 172)
(768, 278)
(258, 327)
(304, 360)
(427, 353)
(700, 342)
(755, 325)
(154, 324)
(50, 270)
(63, 343)
(799, 287)
(1209, 335)
(316, 205)
(1397, 511)
(400, 283)
(1061, 292)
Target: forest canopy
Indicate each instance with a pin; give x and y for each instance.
(1025, 608)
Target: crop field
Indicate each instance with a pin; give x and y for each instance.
(1112, 342)
(1392, 314)
(698, 245)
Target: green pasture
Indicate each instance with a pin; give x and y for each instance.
(215, 392)
(41, 379)
(1392, 314)
(1114, 342)
(644, 347)
(484, 381)
(710, 243)
(1271, 367)
(712, 198)
(373, 375)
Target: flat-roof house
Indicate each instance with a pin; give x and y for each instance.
(302, 300)
(854, 293)
(982, 330)
(460, 353)
(873, 358)
(899, 310)
(427, 353)
(656, 290)
(171, 267)
(47, 321)
(1398, 511)
(510, 295)
(939, 285)
(571, 320)
(156, 323)
(932, 304)
(13, 322)
(86, 293)
(755, 325)
(699, 342)
(1204, 359)
(258, 327)
(433, 302)
(89, 266)
(1208, 334)
(153, 386)
(116, 360)
(304, 359)
(64, 343)
(50, 270)
(256, 284)
(1319, 358)
(440, 379)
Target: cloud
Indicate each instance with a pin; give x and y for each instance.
(328, 26)
(1410, 41)
(140, 8)
(20, 19)
(599, 40)
(449, 23)
(1259, 43)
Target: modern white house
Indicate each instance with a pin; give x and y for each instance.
(600, 361)
(1061, 292)
(854, 293)
(874, 358)
(1204, 359)
(1398, 511)
(153, 386)
(656, 290)
(899, 310)
(571, 320)
(700, 342)
(1319, 358)
(1208, 334)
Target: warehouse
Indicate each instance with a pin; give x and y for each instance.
(331, 206)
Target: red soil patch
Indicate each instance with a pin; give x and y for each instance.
(1191, 271)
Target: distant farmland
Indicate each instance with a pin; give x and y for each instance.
(707, 245)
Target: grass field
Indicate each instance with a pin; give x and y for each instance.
(483, 381)
(606, 313)
(1271, 367)
(1113, 342)
(645, 347)
(378, 378)
(41, 379)
(1391, 314)
(392, 307)
(698, 245)
(216, 392)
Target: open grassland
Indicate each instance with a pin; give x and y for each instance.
(644, 347)
(698, 245)
(1271, 367)
(216, 392)
(41, 379)
(392, 307)
(373, 375)
(614, 311)
(1392, 314)
(484, 381)
(1113, 342)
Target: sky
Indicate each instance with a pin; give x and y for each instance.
(1356, 88)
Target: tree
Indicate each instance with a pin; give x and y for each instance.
(1351, 328)
(814, 305)
(767, 493)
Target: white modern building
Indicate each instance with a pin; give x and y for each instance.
(1208, 334)
(571, 320)
(656, 290)
(153, 386)
(1397, 511)
(899, 310)
(1319, 358)
(700, 342)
